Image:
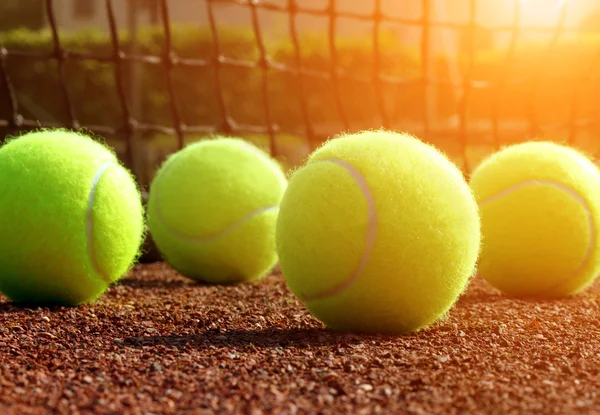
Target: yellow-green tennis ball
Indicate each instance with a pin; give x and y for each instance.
(378, 232)
(212, 210)
(540, 213)
(71, 218)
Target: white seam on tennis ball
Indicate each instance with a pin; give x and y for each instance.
(212, 238)
(361, 182)
(575, 196)
(203, 239)
(90, 221)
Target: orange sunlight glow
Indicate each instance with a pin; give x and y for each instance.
(541, 12)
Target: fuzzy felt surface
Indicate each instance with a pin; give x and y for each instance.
(213, 208)
(540, 210)
(71, 219)
(386, 245)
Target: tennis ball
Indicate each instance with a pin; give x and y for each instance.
(378, 232)
(212, 210)
(540, 213)
(71, 218)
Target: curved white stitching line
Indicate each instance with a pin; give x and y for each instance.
(573, 194)
(369, 239)
(90, 221)
(203, 239)
(212, 238)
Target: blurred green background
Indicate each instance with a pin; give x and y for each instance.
(468, 83)
(539, 87)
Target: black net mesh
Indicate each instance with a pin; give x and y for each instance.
(454, 75)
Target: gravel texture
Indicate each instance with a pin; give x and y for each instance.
(158, 343)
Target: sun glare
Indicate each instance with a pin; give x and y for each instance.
(541, 12)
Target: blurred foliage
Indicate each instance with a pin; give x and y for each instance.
(15, 14)
(530, 82)
(91, 84)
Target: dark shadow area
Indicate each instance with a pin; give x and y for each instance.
(480, 291)
(152, 283)
(544, 300)
(497, 297)
(266, 338)
(480, 298)
(19, 308)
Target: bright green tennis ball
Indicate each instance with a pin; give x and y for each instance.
(212, 210)
(540, 213)
(71, 218)
(378, 232)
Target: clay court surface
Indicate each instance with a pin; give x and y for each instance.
(158, 343)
